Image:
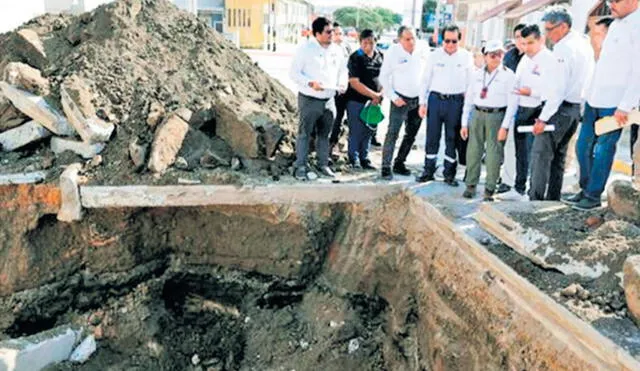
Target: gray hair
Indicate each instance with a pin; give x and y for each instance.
(401, 30)
(557, 14)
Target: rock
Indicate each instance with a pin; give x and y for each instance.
(195, 360)
(354, 345)
(70, 206)
(181, 163)
(584, 294)
(235, 164)
(188, 181)
(138, 153)
(98, 332)
(156, 112)
(311, 175)
(167, 143)
(594, 221)
(85, 150)
(76, 103)
(211, 159)
(22, 178)
(571, 290)
(38, 109)
(184, 113)
(624, 200)
(632, 286)
(37, 351)
(95, 161)
(197, 144)
(27, 78)
(272, 136)
(304, 345)
(83, 352)
(24, 134)
(30, 47)
(10, 117)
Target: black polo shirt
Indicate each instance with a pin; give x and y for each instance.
(512, 59)
(367, 71)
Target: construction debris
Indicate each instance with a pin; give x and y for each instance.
(624, 200)
(76, 102)
(26, 77)
(71, 207)
(83, 149)
(24, 134)
(167, 143)
(37, 351)
(632, 286)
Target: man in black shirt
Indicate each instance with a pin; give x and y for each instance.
(364, 86)
(513, 56)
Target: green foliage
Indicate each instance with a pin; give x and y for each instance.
(377, 19)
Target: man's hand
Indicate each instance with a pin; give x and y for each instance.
(538, 127)
(341, 89)
(422, 111)
(315, 85)
(524, 91)
(464, 133)
(622, 117)
(502, 134)
(376, 99)
(399, 102)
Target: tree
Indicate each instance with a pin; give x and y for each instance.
(428, 8)
(377, 19)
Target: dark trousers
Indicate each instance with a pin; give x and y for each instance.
(549, 154)
(448, 112)
(315, 114)
(397, 116)
(595, 153)
(525, 116)
(359, 134)
(634, 137)
(341, 106)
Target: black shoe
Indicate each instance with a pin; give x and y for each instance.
(470, 192)
(488, 195)
(573, 199)
(300, 173)
(375, 143)
(587, 204)
(503, 188)
(451, 181)
(424, 177)
(386, 173)
(366, 164)
(401, 169)
(326, 171)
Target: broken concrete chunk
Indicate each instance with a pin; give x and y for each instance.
(10, 117)
(70, 207)
(167, 143)
(632, 286)
(138, 153)
(38, 109)
(184, 113)
(86, 150)
(31, 48)
(26, 77)
(156, 112)
(76, 103)
(624, 200)
(22, 178)
(37, 351)
(22, 135)
(84, 351)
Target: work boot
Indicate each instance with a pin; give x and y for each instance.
(374, 142)
(503, 188)
(470, 192)
(326, 171)
(425, 177)
(401, 169)
(488, 195)
(386, 173)
(301, 173)
(367, 165)
(573, 199)
(451, 181)
(587, 204)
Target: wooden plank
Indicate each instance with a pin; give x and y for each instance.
(575, 334)
(207, 195)
(609, 123)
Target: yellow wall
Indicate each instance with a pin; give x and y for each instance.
(247, 18)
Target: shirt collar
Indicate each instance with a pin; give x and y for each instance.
(566, 37)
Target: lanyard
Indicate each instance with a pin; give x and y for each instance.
(485, 88)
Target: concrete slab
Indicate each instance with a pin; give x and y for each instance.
(86, 150)
(167, 143)
(81, 114)
(33, 353)
(22, 178)
(22, 135)
(71, 207)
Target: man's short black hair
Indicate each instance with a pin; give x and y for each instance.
(402, 29)
(604, 21)
(531, 29)
(451, 28)
(336, 24)
(366, 33)
(319, 24)
(519, 27)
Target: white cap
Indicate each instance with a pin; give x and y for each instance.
(492, 46)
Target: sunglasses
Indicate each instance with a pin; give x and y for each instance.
(328, 32)
(450, 41)
(609, 2)
(549, 29)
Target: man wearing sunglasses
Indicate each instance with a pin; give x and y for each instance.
(614, 91)
(563, 94)
(445, 81)
(320, 71)
(491, 99)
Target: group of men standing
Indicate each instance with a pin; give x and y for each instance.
(536, 93)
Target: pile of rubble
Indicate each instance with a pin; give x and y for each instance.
(136, 88)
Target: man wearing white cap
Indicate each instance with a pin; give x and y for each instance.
(491, 98)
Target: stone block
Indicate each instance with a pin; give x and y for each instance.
(632, 286)
(76, 103)
(167, 143)
(86, 150)
(22, 135)
(624, 200)
(31, 48)
(71, 206)
(33, 353)
(27, 78)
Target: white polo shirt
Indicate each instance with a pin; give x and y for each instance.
(500, 86)
(400, 73)
(446, 74)
(529, 75)
(313, 62)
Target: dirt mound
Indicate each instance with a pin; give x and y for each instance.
(141, 61)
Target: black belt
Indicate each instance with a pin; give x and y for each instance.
(569, 104)
(491, 109)
(314, 98)
(447, 96)
(406, 98)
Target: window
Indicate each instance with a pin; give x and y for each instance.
(229, 17)
(244, 17)
(249, 18)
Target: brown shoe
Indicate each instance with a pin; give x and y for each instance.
(470, 192)
(488, 195)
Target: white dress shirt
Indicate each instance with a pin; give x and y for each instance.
(575, 60)
(400, 73)
(446, 74)
(529, 75)
(616, 80)
(313, 62)
(499, 94)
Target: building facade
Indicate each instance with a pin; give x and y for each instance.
(72, 6)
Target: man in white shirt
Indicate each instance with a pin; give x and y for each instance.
(341, 99)
(444, 83)
(614, 91)
(319, 70)
(399, 77)
(564, 91)
(491, 98)
(530, 88)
